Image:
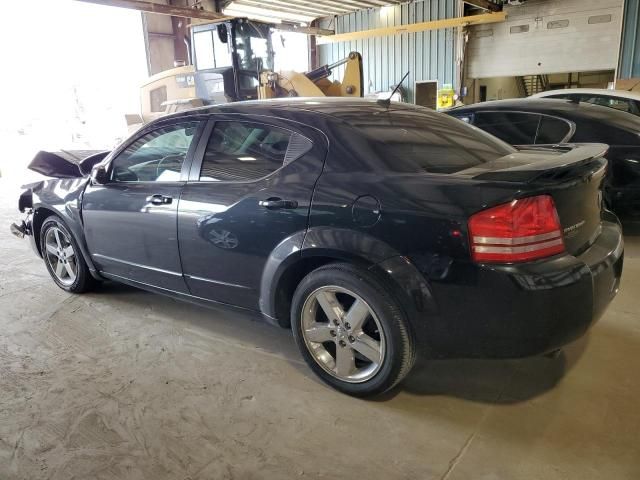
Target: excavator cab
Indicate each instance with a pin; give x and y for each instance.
(228, 58)
(233, 60)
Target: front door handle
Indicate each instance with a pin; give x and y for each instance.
(158, 199)
(275, 203)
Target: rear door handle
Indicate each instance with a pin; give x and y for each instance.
(275, 203)
(158, 199)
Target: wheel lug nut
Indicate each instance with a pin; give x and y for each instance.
(347, 325)
(342, 343)
(352, 338)
(332, 332)
(335, 322)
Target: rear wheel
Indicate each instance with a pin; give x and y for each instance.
(350, 331)
(63, 258)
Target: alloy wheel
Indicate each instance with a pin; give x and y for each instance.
(343, 334)
(60, 256)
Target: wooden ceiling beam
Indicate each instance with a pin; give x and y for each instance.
(161, 9)
(416, 27)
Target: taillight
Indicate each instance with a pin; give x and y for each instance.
(518, 231)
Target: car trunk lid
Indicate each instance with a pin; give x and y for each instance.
(572, 174)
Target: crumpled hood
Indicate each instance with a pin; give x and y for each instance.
(66, 163)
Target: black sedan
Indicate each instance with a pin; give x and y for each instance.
(545, 121)
(371, 230)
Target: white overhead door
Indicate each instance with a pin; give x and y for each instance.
(547, 36)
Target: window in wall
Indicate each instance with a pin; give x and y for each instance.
(557, 24)
(487, 32)
(519, 29)
(599, 19)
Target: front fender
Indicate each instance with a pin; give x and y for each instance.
(64, 198)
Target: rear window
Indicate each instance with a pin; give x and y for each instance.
(515, 128)
(413, 141)
(552, 130)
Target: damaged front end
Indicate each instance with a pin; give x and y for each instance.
(25, 205)
(66, 163)
(70, 170)
(24, 227)
(21, 229)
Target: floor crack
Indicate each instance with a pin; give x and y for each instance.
(455, 460)
(465, 446)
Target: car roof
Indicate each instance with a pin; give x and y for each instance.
(336, 107)
(590, 91)
(560, 108)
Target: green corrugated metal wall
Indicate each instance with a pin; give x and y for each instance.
(630, 49)
(428, 55)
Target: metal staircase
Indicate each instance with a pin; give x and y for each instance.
(532, 84)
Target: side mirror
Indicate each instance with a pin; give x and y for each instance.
(99, 174)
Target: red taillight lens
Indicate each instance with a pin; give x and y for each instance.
(518, 231)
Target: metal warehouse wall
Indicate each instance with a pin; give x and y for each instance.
(429, 55)
(630, 49)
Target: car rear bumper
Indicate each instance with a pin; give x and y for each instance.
(528, 309)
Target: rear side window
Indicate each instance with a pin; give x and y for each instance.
(564, 96)
(514, 128)
(552, 130)
(414, 142)
(594, 131)
(245, 151)
(622, 104)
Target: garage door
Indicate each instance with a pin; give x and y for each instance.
(548, 36)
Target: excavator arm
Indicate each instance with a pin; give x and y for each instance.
(316, 82)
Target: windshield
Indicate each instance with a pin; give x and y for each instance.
(418, 141)
(210, 51)
(253, 46)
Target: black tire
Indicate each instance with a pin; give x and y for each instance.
(399, 352)
(83, 281)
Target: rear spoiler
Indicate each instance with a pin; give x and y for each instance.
(66, 163)
(527, 165)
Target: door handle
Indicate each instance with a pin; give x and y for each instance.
(275, 203)
(158, 199)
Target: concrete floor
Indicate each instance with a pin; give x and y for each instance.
(126, 384)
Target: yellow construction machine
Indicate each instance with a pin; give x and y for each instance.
(233, 60)
(315, 83)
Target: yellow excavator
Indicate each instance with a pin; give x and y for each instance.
(233, 60)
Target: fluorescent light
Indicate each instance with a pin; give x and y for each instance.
(265, 14)
(247, 159)
(232, 12)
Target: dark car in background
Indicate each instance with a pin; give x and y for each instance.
(372, 230)
(531, 121)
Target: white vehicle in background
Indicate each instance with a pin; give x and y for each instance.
(618, 99)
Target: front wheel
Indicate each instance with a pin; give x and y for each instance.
(350, 331)
(63, 258)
